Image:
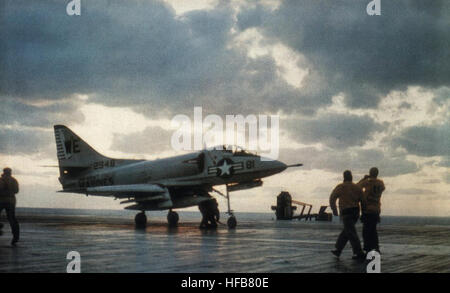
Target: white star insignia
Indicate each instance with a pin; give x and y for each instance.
(225, 168)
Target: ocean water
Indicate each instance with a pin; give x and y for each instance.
(191, 216)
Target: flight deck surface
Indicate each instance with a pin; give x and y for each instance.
(109, 243)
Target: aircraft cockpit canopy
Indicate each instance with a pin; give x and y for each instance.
(235, 150)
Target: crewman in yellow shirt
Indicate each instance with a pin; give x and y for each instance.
(372, 188)
(350, 198)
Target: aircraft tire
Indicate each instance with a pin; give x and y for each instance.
(140, 220)
(172, 218)
(232, 222)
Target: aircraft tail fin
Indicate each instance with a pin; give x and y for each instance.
(72, 151)
(76, 158)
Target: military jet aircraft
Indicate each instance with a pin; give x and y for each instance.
(163, 184)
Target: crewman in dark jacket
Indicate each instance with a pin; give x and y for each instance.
(372, 188)
(210, 214)
(350, 197)
(8, 189)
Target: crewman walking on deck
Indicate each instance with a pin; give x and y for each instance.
(350, 197)
(372, 188)
(8, 189)
(210, 214)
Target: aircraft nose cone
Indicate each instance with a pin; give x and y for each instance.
(280, 166)
(274, 166)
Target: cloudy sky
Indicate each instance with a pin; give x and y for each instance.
(352, 91)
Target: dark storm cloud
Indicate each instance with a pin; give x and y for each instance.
(136, 54)
(152, 140)
(17, 112)
(357, 160)
(48, 54)
(336, 131)
(363, 56)
(16, 142)
(140, 54)
(30, 137)
(425, 140)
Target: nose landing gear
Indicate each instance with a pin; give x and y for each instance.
(231, 222)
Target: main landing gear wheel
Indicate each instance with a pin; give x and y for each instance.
(140, 220)
(232, 222)
(172, 218)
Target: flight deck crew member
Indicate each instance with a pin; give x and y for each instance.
(8, 188)
(372, 188)
(210, 214)
(350, 197)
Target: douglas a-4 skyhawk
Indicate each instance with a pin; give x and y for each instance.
(163, 184)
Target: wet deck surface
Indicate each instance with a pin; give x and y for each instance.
(113, 245)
